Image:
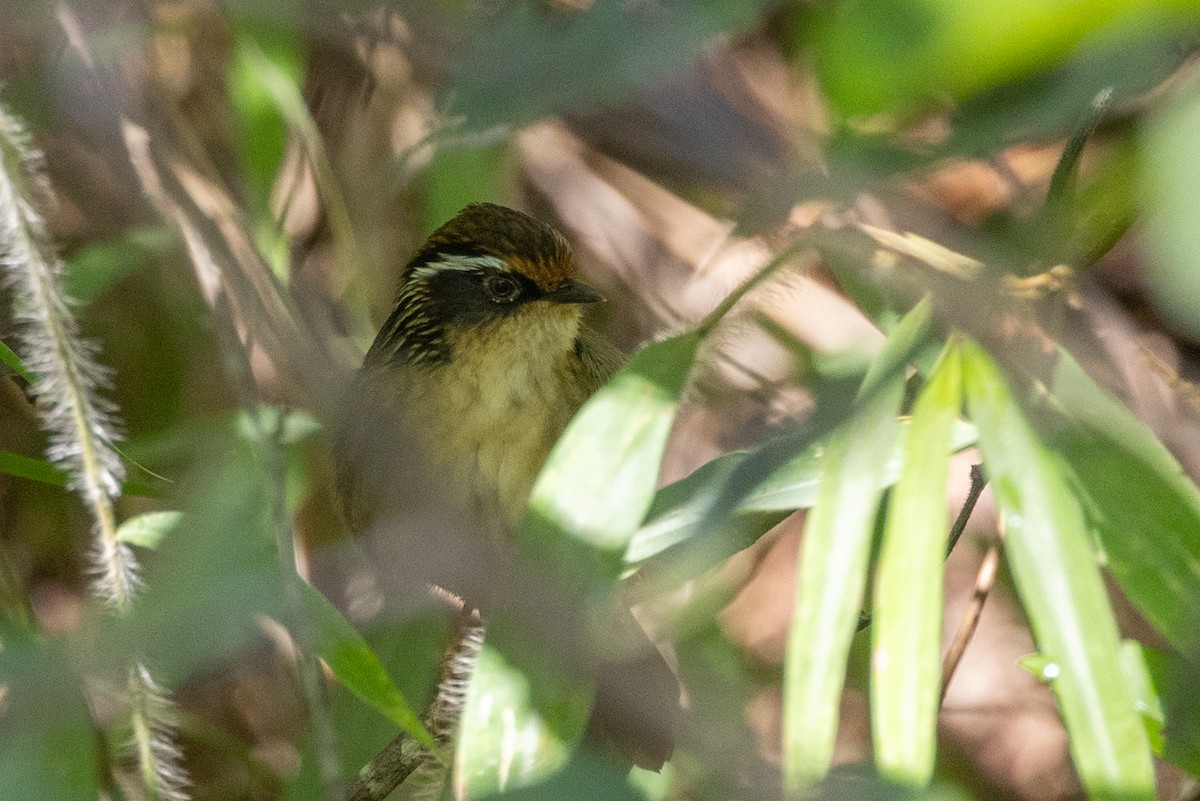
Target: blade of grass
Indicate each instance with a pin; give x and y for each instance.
(833, 561)
(357, 667)
(905, 664)
(1061, 589)
(10, 357)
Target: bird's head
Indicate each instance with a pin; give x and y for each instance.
(491, 277)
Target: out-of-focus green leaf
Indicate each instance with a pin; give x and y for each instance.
(1142, 687)
(10, 357)
(1136, 493)
(222, 577)
(599, 479)
(149, 529)
(859, 783)
(678, 511)
(906, 659)
(536, 61)
(1060, 588)
(1170, 170)
(507, 738)
(92, 271)
(48, 737)
(354, 663)
(833, 560)
(14, 464)
(1040, 666)
(898, 55)
(262, 125)
(1174, 682)
(583, 779)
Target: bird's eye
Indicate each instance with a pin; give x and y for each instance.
(501, 288)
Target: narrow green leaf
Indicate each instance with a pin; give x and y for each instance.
(1171, 166)
(506, 738)
(148, 530)
(833, 563)
(95, 269)
(1136, 493)
(14, 464)
(830, 588)
(1145, 694)
(10, 357)
(1061, 589)
(599, 480)
(1175, 684)
(905, 664)
(262, 60)
(358, 669)
(679, 509)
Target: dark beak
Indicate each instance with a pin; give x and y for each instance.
(574, 292)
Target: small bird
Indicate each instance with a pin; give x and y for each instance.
(483, 361)
(485, 358)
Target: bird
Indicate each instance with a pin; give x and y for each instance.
(484, 359)
(485, 356)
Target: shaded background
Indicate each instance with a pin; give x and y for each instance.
(677, 146)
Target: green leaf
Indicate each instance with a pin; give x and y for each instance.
(1173, 682)
(461, 174)
(1135, 493)
(586, 777)
(49, 751)
(906, 658)
(10, 357)
(599, 480)
(358, 669)
(1171, 168)
(33, 469)
(678, 512)
(148, 530)
(901, 56)
(1145, 694)
(507, 739)
(14, 464)
(833, 561)
(262, 62)
(1060, 588)
(92, 271)
(1040, 666)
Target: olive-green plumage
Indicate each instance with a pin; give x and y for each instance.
(483, 361)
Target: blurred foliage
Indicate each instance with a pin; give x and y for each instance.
(333, 137)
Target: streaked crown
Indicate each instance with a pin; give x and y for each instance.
(485, 264)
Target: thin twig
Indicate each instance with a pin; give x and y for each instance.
(978, 482)
(984, 581)
(400, 758)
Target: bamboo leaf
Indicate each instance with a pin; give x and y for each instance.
(905, 664)
(1061, 589)
(1136, 493)
(833, 560)
(678, 512)
(508, 738)
(599, 479)
(358, 669)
